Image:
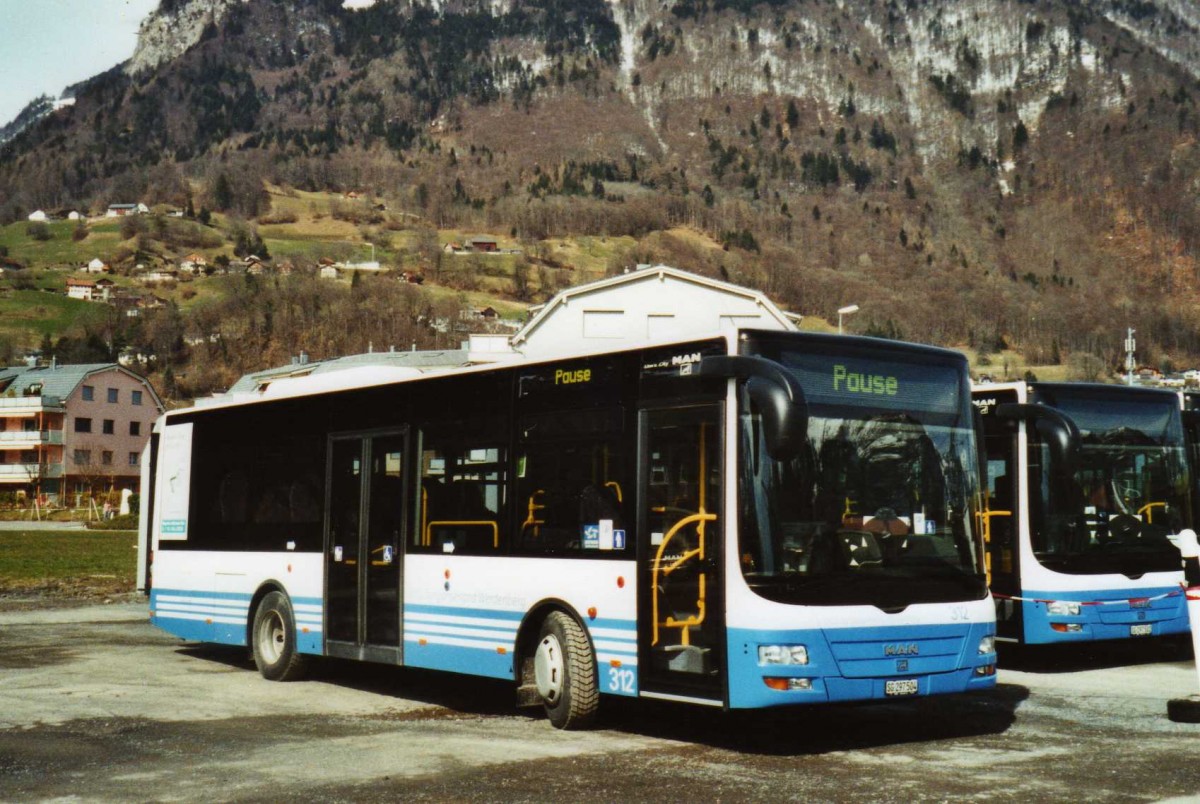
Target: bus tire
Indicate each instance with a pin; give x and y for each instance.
(273, 639)
(565, 672)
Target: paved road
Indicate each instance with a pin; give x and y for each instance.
(7, 524)
(95, 705)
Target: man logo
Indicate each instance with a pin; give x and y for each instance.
(906, 649)
(902, 665)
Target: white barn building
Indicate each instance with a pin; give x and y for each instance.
(652, 303)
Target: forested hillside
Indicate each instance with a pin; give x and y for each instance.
(985, 173)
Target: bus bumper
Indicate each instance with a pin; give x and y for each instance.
(859, 664)
(1059, 617)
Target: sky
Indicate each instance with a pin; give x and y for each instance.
(47, 45)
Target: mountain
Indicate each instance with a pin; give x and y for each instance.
(970, 172)
(35, 110)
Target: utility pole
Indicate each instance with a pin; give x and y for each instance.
(1130, 361)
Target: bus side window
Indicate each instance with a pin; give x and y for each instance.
(571, 497)
(461, 497)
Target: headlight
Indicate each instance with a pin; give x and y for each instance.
(782, 654)
(1062, 608)
(987, 645)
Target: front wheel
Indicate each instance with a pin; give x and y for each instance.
(565, 672)
(273, 639)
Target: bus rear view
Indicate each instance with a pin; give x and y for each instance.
(1088, 489)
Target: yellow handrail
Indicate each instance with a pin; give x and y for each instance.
(1146, 509)
(616, 487)
(985, 522)
(657, 568)
(531, 520)
(424, 515)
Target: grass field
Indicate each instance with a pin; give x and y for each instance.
(24, 311)
(60, 249)
(69, 562)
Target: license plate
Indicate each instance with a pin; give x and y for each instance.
(1140, 630)
(907, 686)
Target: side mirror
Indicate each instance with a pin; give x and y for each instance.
(777, 394)
(1057, 429)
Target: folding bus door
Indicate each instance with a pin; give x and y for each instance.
(682, 628)
(364, 545)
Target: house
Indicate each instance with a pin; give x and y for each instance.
(193, 264)
(160, 275)
(484, 244)
(136, 356)
(38, 216)
(104, 289)
(74, 216)
(121, 210)
(82, 289)
(370, 266)
(97, 266)
(652, 303)
(286, 268)
(73, 430)
(328, 272)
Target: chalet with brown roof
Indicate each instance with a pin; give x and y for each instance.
(483, 243)
(82, 289)
(193, 264)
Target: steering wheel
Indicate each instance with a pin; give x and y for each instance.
(1124, 527)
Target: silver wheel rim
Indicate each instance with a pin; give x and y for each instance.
(271, 637)
(548, 669)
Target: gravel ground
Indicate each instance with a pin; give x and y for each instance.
(95, 705)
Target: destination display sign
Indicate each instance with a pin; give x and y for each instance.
(877, 383)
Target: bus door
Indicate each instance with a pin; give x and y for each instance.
(364, 543)
(1001, 515)
(681, 611)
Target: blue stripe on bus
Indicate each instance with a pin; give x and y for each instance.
(194, 621)
(426, 647)
(421, 652)
(846, 664)
(1167, 615)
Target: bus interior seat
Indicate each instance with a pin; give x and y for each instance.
(828, 554)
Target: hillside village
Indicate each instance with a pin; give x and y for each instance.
(136, 290)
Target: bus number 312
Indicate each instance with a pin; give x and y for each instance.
(621, 680)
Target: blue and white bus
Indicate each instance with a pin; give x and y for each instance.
(1088, 487)
(749, 520)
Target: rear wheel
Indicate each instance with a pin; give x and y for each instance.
(565, 672)
(273, 639)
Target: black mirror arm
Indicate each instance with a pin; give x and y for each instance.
(776, 392)
(1056, 428)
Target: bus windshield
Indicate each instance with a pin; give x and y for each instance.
(1130, 490)
(877, 507)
